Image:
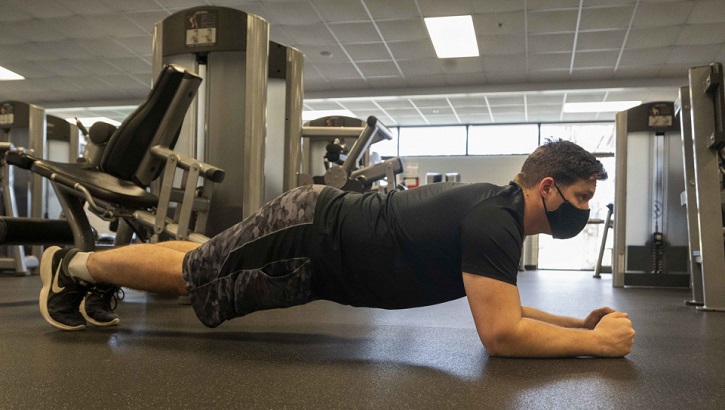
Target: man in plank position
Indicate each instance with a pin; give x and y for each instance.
(406, 249)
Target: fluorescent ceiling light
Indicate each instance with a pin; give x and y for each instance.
(612, 106)
(313, 115)
(88, 121)
(452, 36)
(6, 74)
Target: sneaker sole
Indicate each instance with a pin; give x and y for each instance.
(92, 321)
(46, 276)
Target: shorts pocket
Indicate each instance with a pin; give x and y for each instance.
(278, 284)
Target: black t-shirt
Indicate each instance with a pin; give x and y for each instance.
(408, 248)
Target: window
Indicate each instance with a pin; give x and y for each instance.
(593, 137)
(387, 148)
(502, 139)
(421, 141)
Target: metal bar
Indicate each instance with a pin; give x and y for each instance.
(689, 196)
(707, 186)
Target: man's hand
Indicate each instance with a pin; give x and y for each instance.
(597, 314)
(616, 334)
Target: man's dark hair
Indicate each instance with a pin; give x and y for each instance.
(564, 161)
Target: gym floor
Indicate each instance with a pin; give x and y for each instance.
(324, 355)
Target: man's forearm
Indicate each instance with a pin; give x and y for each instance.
(534, 338)
(563, 321)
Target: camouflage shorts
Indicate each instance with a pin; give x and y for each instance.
(219, 291)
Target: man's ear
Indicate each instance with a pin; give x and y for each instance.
(546, 185)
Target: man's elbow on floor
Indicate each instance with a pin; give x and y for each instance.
(497, 344)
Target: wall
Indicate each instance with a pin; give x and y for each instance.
(498, 169)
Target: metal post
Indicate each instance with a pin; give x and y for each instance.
(707, 184)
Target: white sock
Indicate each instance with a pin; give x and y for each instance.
(78, 269)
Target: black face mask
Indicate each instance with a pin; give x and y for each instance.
(567, 221)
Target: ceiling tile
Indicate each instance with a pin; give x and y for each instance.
(504, 118)
(379, 69)
(403, 30)
(498, 6)
(462, 65)
(504, 77)
(551, 43)
(552, 4)
(707, 11)
(386, 9)
(412, 50)
(515, 62)
(498, 23)
(350, 33)
(147, 20)
(116, 26)
(645, 57)
(341, 10)
(132, 5)
(585, 96)
(475, 119)
(425, 80)
(657, 15)
(313, 53)
(312, 34)
(591, 59)
(397, 104)
(545, 99)
(86, 7)
(506, 100)
(550, 61)
(651, 38)
(339, 71)
(420, 67)
(473, 78)
(141, 45)
(540, 76)
(617, 17)
(694, 34)
(43, 9)
(430, 102)
(130, 65)
(72, 27)
(552, 21)
(594, 72)
(437, 8)
(34, 30)
(650, 71)
(503, 44)
(468, 101)
(471, 110)
(600, 40)
(368, 52)
(292, 13)
(694, 54)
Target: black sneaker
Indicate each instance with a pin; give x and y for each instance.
(99, 305)
(61, 294)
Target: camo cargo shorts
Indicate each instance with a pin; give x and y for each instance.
(219, 292)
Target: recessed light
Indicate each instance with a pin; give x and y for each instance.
(6, 75)
(452, 36)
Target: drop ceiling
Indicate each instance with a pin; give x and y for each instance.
(373, 57)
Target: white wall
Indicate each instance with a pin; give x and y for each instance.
(498, 169)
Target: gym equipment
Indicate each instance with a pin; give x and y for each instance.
(702, 114)
(650, 241)
(283, 148)
(226, 123)
(113, 181)
(350, 171)
(63, 143)
(22, 125)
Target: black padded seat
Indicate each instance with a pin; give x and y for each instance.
(100, 184)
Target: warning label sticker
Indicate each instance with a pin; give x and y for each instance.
(201, 28)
